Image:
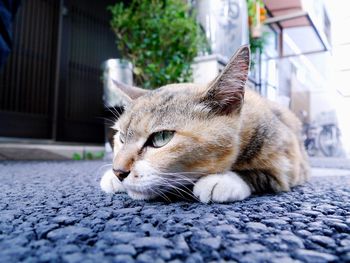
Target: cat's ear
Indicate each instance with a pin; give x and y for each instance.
(129, 93)
(225, 93)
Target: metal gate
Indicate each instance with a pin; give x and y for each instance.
(50, 87)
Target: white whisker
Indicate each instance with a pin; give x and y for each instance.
(115, 113)
(170, 186)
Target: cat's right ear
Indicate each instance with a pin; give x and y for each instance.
(225, 94)
(128, 93)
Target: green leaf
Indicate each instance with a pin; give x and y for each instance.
(89, 156)
(161, 38)
(76, 157)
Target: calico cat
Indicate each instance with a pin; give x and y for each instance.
(223, 138)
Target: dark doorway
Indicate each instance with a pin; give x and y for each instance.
(51, 86)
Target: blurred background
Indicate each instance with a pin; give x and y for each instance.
(58, 59)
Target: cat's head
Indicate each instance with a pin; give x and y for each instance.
(173, 135)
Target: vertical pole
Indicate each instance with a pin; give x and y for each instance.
(280, 43)
(260, 73)
(57, 71)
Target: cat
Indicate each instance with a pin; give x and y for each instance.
(223, 138)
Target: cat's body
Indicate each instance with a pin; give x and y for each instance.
(223, 138)
(272, 155)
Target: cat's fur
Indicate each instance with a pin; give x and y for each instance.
(228, 141)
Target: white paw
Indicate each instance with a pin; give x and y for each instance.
(226, 187)
(110, 184)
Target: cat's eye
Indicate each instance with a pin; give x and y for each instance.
(121, 137)
(161, 138)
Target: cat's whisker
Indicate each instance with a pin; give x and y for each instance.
(102, 167)
(108, 121)
(180, 195)
(119, 113)
(178, 180)
(185, 180)
(177, 176)
(107, 164)
(189, 192)
(159, 193)
(184, 173)
(169, 189)
(115, 112)
(183, 188)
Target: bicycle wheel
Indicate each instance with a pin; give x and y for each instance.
(328, 140)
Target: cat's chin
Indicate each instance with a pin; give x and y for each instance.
(141, 196)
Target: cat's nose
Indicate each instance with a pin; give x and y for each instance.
(121, 174)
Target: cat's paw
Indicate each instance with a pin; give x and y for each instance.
(221, 188)
(110, 184)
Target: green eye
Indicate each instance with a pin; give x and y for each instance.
(159, 139)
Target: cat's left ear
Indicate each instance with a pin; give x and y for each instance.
(226, 93)
(129, 93)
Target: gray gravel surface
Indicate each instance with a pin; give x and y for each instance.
(55, 212)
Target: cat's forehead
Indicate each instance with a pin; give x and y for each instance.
(166, 93)
(161, 108)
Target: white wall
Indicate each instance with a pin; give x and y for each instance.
(340, 80)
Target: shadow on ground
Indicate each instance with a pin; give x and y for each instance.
(55, 212)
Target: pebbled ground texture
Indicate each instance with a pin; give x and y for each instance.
(55, 212)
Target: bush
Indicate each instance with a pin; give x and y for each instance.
(160, 38)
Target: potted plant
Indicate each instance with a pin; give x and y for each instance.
(256, 17)
(160, 37)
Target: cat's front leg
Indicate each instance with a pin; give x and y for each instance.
(110, 183)
(221, 188)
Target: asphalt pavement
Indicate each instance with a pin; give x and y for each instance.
(55, 212)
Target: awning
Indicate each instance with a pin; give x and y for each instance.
(281, 8)
(292, 18)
